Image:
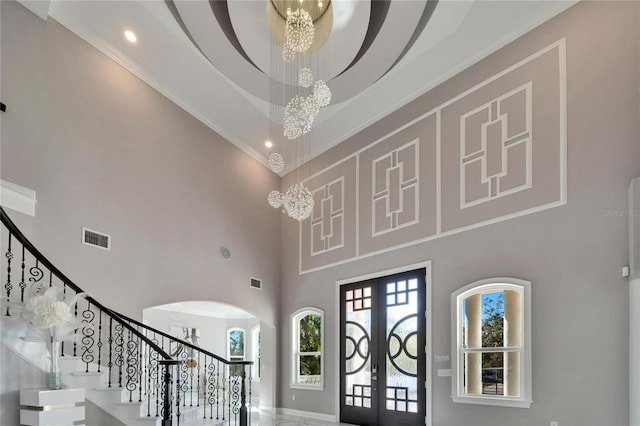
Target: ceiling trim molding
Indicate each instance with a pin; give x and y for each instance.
(130, 65)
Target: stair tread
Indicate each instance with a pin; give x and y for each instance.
(107, 389)
(89, 374)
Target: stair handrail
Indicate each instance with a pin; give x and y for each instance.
(243, 393)
(167, 360)
(132, 325)
(13, 229)
(182, 342)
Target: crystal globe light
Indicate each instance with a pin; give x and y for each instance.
(276, 162)
(275, 199)
(321, 93)
(305, 78)
(298, 31)
(298, 117)
(298, 202)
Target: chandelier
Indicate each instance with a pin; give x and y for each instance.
(297, 202)
(298, 34)
(276, 163)
(301, 109)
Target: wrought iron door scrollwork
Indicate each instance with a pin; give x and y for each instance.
(363, 354)
(402, 346)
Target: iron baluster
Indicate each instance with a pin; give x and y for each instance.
(119, 350)
(166, 393)
(191, 368)
(36, 275)
(131, 369)
(156, 380)
(250, 400)
(64, 297)
(22, 284)
(87, 336)
(210, 386)
(224, 393)
(140, 369)
(149, 367)
(234, 392)
(243, 398)
(182, 384)
(198, 376)
(8, 286)
(110, 340)
(218, 394)
(99, 344)
(147, 375)
(178, 390)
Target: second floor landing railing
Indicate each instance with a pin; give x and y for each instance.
(134, 357)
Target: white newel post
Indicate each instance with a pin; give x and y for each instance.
(634, 302)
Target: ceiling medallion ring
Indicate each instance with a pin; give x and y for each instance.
(316, 12)
(321, 20)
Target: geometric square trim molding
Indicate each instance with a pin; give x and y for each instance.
(494, 152)
(503, 144)
(329, 235)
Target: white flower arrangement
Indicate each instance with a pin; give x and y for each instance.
(48, 312)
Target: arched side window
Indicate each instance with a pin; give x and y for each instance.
(236, 344)
(307, 334)
(255, 352)
(491, 343)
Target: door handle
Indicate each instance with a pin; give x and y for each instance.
(374, 377)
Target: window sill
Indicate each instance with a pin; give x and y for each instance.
(308, 387)
(493, 401)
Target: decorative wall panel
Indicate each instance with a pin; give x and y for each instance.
(397, 187)
(502, 144)
(493, 152)
(329, 235)
(495, 148)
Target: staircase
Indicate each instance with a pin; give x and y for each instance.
(124, 366)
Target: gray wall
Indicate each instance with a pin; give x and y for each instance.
(105, 151)
(572, 253)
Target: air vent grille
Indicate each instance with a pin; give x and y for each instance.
(96, 239)
(256, 283)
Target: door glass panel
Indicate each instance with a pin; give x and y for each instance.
(357, 348)
(402, 347)
(382, 357)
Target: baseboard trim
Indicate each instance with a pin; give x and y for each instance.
(309, 414)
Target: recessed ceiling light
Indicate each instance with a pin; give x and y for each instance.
(129, 35)
(268, 144)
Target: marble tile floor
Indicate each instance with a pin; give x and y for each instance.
(267, 419)
(261, 418)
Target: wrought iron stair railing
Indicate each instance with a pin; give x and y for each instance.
(204, 379)
(134, 357)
